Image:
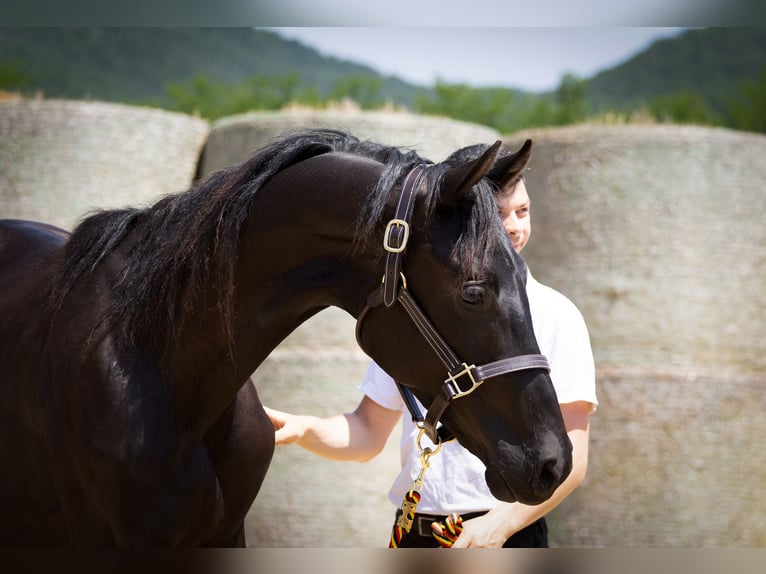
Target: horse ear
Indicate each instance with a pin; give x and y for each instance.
(459, 180)
(507, 170)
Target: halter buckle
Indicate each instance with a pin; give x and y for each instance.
(387, 235)
(453, 387)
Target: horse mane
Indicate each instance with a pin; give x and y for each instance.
(185, 245)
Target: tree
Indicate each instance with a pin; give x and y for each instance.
(748, 112)
(681, 107)
(487, 106)
(364, 90)
(213, 100)
(12, 77)
(570, 100)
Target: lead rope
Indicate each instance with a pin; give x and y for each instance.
(445, 532)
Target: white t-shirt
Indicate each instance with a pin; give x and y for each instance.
(454, 481)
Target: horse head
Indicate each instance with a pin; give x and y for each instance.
(451, 324)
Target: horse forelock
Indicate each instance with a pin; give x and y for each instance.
(481, 233)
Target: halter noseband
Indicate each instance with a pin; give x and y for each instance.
(394, 288)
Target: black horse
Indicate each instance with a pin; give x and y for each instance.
(126, 412)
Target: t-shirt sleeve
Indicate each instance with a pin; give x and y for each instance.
(569, 350)
(381, 388)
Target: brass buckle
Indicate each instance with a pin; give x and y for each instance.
(452, 381)
(387, 236)
(401, 276)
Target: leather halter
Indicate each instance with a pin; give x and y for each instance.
(394, 289)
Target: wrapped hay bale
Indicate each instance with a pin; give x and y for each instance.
(657, 234)
(233, 139)
(60, 159)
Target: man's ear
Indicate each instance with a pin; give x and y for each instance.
(459, 180)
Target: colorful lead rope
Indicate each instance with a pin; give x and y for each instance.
(445, 532)
(404, 522)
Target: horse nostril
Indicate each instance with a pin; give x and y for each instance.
(547, 478)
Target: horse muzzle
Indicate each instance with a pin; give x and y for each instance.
(529, 474)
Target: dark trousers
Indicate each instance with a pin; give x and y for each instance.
(533, 536)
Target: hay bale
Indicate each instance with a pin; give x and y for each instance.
(657, 234)
(234, 138)
(60, 159)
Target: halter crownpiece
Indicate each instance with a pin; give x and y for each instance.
(397, 234)
(462, 378)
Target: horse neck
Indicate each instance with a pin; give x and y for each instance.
(296, 257)
(297, 253)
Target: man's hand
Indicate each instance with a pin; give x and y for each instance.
(288, 428)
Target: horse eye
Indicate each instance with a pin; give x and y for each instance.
(473, 293)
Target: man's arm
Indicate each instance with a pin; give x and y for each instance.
(357, 436)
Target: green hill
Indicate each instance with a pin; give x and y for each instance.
(136, 64)
(711, 63)
(694, 76)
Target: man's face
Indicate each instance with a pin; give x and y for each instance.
(513, 205)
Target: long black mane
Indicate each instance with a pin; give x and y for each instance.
(185, 245)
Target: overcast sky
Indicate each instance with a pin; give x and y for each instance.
(532, 59)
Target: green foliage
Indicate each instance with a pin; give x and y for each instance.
(12, 76)
(570, 99)
(504, 109)
(212, 100)
(364, 90)
(488, 106)
(460, 101)
(748, 112)
(681, 107)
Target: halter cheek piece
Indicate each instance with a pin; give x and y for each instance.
(462, 378)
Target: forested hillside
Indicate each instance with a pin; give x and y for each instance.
(137, 64)
(711, 63)
(714, 76)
